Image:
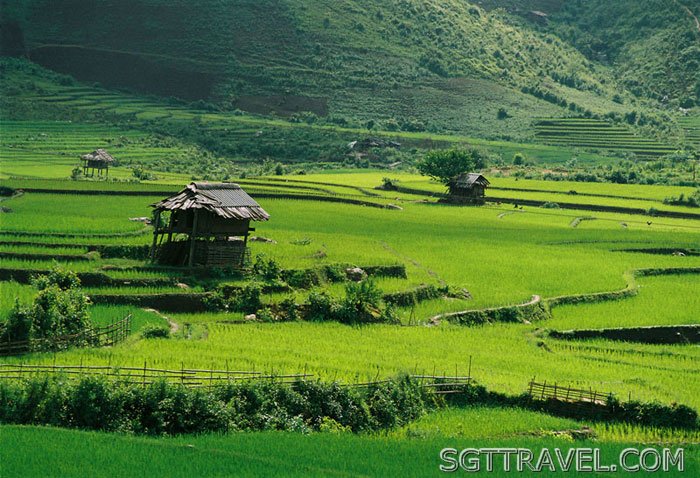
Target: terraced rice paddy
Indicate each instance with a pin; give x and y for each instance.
(500, 257)
(691, 126)
(500, 254)
(51, 149)
(243, 133)
(598, 135)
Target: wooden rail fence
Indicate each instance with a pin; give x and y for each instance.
(545, 391)
(197, 378)
(142, 375)
(108, 335)
(441, 384)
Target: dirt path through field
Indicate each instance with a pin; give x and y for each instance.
(429, 271)
(690, 13)
(174, 326)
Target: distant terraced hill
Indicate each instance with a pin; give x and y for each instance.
(415, 65)
(598, 135)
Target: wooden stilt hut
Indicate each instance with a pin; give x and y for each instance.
(97, 160)
(205, 224)
(467, 188)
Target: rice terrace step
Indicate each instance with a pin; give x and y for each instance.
(356, 238)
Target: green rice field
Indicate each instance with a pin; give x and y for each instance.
(501, 254)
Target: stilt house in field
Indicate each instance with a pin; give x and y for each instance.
(469, 188)
(98, 159)
(205, 224)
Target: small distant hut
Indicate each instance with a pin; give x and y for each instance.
(98, 159)
(205, 224)
(468, 188)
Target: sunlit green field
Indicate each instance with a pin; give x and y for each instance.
(501, 255)
(262, 454)
(501, 259)
(667, 300)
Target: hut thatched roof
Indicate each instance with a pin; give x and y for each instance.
(98, 155)
(227, 200)
(467, 180)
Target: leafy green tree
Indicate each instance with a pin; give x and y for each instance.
(443, 165)
(59, 308)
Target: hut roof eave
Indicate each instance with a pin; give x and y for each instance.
(226, 200)
(98, 155)
(467, 180)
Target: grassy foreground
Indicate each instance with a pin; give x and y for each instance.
(66, 453)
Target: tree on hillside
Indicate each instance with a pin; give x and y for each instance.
(443, 165)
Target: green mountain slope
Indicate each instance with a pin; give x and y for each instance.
(443, 65)
(653, 45)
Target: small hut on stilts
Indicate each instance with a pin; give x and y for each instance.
(205, 225)
(98, 159)
(467, 188)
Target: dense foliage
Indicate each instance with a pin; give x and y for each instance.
(653, 45)
(379, 65)
(443, 165)
(160, 408)
(59, 308)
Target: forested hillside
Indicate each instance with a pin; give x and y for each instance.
(653, 45)
(442, 65)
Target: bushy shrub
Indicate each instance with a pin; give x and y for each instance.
(303, 278)
(321, 306)
(61, 278)
(415, 295)
(289, 309)
(396, 402)
(18, 326)
(266, 315)
(155, 332)
(653, 414)
(163, 409)
(248, 300)
(140, 173)
(335, 273)
(692, 200)
(59, 308)
(267, 269)
(58, 312)
(361, 303)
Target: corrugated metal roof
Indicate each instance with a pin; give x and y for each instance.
(227, 200)
(469, 179)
